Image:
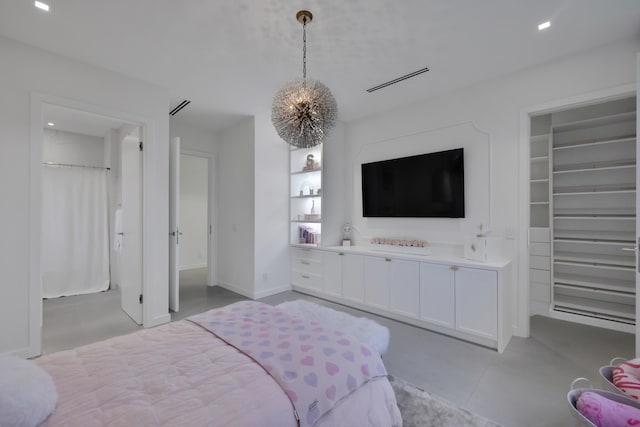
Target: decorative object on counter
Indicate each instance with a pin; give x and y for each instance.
(421, 247)
(306, 185)
(319, 191)
(311, 164)
(482, 247)
(400, 242)
(346, 235)
(308, 235)
(304, 110)
(312, 215)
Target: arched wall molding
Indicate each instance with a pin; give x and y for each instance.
(478, 179)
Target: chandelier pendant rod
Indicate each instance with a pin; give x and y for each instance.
(304, 47)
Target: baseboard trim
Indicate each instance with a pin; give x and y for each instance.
(235, 288)
(253, 295)
(192, 266)
(272, 291)
(158, 320)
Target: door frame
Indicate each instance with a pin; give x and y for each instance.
(523, 324)
(212, 214)
(37, 100)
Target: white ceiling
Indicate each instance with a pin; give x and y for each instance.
(230, 56)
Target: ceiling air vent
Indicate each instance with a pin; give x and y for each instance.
(399, 79)
(179, 107)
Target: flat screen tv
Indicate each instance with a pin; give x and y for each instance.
(428, 185)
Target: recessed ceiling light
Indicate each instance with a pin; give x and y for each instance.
(42, 6)
(51, 124)
(544, 25)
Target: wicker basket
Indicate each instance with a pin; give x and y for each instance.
(572, 397)
(606, 375)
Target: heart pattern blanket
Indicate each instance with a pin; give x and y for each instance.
(315, 366)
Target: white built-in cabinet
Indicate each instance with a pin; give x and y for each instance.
(437, 294)
(392, 284)
(458, 297)
(343, 275)
(583, 214)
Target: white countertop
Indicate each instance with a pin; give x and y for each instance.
(435, 257)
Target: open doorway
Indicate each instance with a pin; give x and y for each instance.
(91, 252)
(192, 244)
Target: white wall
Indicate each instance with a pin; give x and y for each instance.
(271, 179)
(192, 138)
(35, 74)
(493, 106)
(72, 148)
(235, 199)
(194, 211)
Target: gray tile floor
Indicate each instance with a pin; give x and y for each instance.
(525, 386)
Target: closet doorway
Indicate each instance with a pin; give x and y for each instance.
(91, 252)
(191, 237)
(581, 211)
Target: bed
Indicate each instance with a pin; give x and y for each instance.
(222, 368)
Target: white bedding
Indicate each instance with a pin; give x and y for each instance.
(181, 375)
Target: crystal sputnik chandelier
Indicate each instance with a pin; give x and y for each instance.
(304, 110)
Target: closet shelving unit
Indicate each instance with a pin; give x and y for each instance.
(540, 215)
(592, 198)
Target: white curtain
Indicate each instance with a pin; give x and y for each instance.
(75, 231)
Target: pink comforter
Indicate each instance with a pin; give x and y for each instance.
(314, 365)
(180, 375)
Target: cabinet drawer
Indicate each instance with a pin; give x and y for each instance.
(539, 262)
(540, 249)
(539, 276)
(305, 280)
(539, 234)
(307, 266)
(306, 253)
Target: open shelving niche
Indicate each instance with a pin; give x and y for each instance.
(305, 195)
(592, 207)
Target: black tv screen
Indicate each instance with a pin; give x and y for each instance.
(427, 185)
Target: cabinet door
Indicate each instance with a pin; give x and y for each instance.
(404, 287)
(376, 280)
(437, 294)
(332, 273)
(353, 277)
(477, 302)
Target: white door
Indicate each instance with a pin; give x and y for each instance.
(637, 210)
(174, 225)
(353, 277)
(131, 268)
(376, 279)
(437, 294)
(404, 287)
(477, 302)
(332, 273)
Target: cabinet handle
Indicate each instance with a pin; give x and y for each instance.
(453, 267)
(304, 276)
(304, 262)
(387, 259)
(341, 253)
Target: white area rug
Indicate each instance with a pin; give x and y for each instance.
(366, 330)
(421, 409)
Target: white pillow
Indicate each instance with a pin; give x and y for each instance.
(27, 393)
